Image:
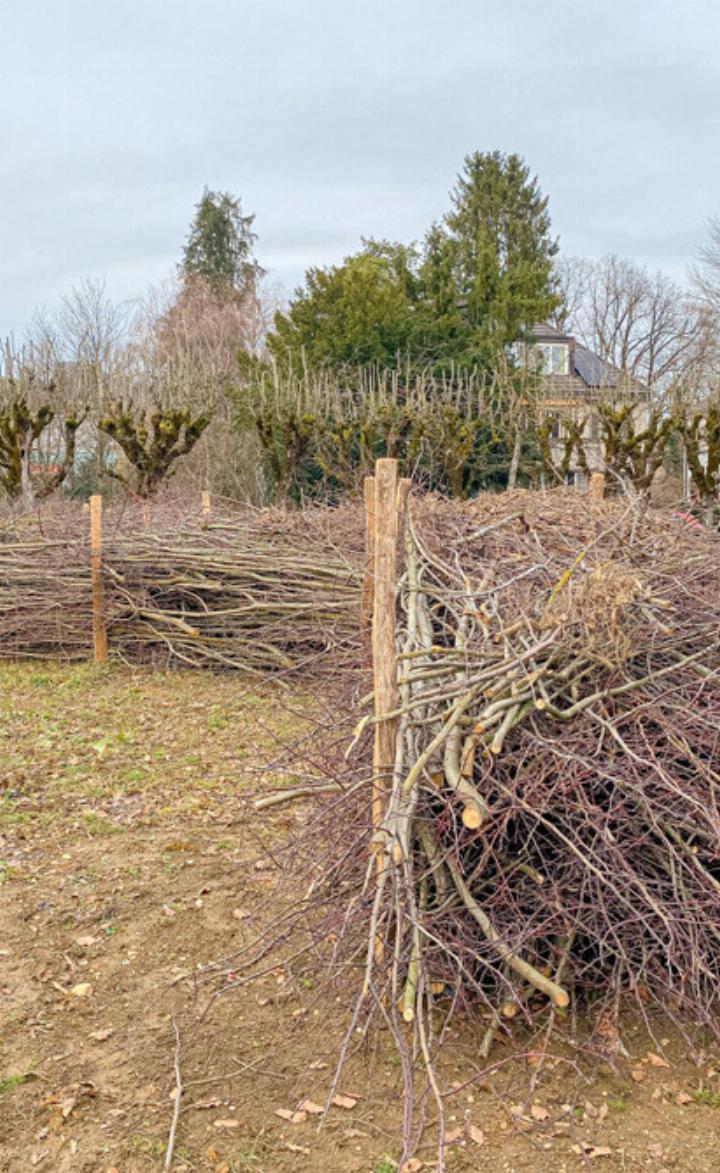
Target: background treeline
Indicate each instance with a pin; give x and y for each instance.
(403, 349)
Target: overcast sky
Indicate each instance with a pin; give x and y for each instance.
(337, 118)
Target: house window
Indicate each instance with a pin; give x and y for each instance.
(555, 427)
(554, 357)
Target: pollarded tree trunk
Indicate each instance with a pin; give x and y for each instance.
(152, 445)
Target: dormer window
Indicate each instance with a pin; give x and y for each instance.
(547, 358)
(554, 357)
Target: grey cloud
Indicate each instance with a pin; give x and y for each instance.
(334, 119)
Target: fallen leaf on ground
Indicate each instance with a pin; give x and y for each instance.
(292, 1117)
(683, 1098)
(412, 1166)
(311, 1108)
(344, 1101)
(241, 914)
(226, 1123)
(477, 1136)
(82, 990)
(455, 1136)
(85, 942)
(639, 1074)
(656, 1060)
(167, 910)
(101, 1035)
(538, 1112)
(591, 1151)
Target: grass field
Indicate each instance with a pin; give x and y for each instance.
(128, 858)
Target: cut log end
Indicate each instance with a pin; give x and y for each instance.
(472, 816)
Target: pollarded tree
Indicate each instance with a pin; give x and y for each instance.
(701, 437)
(633, 455)
(557, 456)
(21, 427)
(152, 442)
(219, 250)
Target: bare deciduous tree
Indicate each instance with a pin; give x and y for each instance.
(641, 323)
(706, 272)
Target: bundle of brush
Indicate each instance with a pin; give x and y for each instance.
(258, 591)
(552, 832)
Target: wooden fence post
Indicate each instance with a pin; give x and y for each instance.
(384, 654)
(368, 586)
(99, 628)
(597, 485)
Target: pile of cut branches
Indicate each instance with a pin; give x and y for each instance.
(550, 839)
(260, 592)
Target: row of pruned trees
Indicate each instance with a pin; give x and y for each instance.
(465, 432)
(39, 433)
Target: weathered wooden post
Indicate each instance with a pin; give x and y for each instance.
(597, 485)
(368, 585)
(98, 608)
(383, 630)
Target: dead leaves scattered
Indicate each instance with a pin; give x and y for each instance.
(347, 1102)
(292, 1117)
(461, 1136)
(591, 1151)
(311, 1108)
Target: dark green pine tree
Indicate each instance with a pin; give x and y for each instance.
(220, 246)
(497, 242)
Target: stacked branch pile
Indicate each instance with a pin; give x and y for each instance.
(551, 835)
(260, 592)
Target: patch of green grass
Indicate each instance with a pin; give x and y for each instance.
(79, 731)
(386, 1165)
(146, 1146)
(7, 872)
(9, 817)
(97, 825)
(11, 1082)
(703, 1095)
(617, 1104)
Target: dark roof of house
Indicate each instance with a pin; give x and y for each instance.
(588, 367)
(544, 332)
(592, 370)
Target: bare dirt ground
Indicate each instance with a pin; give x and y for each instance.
(127, 860)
